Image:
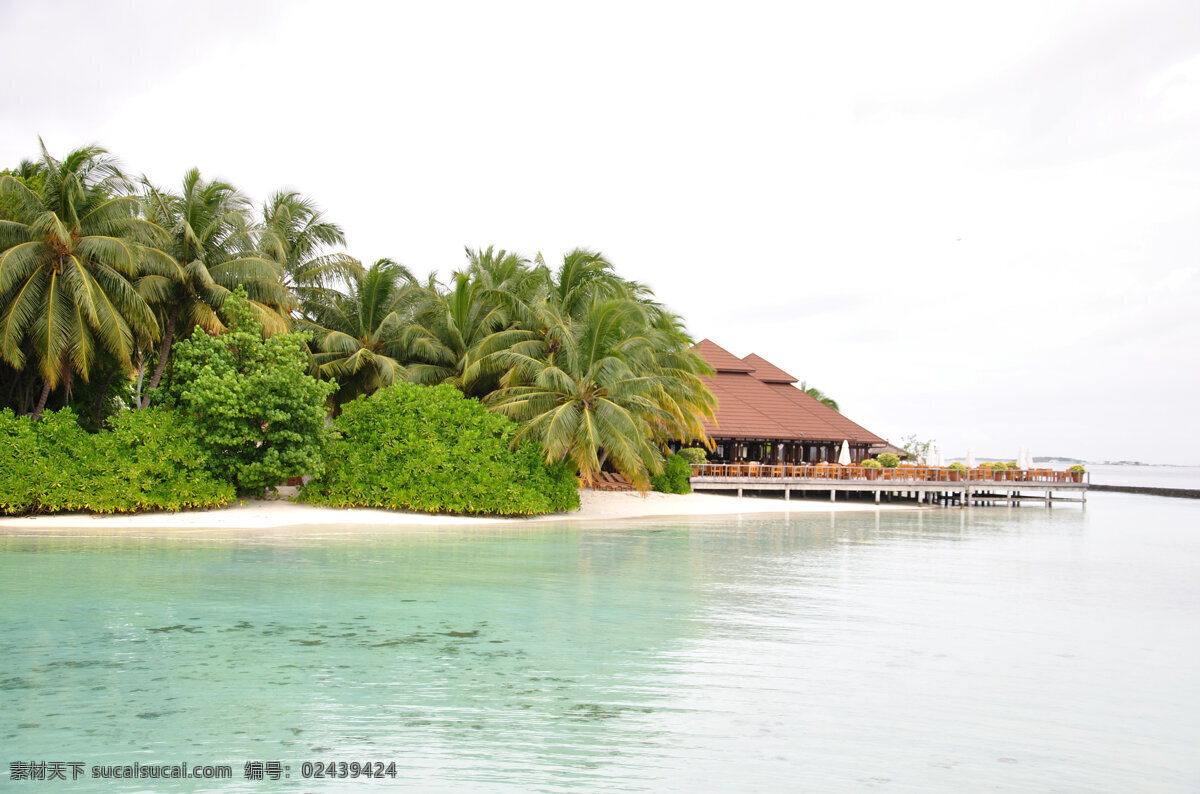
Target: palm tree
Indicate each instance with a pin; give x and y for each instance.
(295, 234)
(455, 334)
(499, 271)
(601, 393)
(684, 398)
(70, 252)
(208, 225)
(819, 396)
(356, 332)
(583, 276)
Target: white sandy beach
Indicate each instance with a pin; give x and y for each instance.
(275, 514)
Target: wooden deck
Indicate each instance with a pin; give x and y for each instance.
(923, 484)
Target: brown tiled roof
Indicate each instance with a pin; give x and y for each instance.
(756, 399)
(720, 358)
(746, 408)
(766, 371)
(835, 423)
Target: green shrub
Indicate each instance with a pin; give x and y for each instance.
(1012, 464)
(693, 455)
(956, 466)
(888, 460)
(871, 463)
(259, 413)
(676, 476)
(149, 460)
(23, 462)
(989, 465)
(428, 448)
(1076, 467)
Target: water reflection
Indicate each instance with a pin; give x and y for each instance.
(834, 650)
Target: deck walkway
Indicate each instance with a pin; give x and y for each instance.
(950, 486)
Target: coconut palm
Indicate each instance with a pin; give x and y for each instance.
(455, 333)
(683, 397)
(602, 394)
(582, 276)
(499, 270)
(819, 396)
(208, 224)
(70, 252)
(295, 234)
(356, 332)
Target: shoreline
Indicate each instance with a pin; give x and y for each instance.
(281, 513)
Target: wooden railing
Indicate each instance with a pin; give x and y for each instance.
(902, 474)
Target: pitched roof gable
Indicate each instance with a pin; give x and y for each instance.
(766, 371)
(756, 399)
(720, 358)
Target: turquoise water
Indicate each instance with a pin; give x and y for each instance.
(1017, 648)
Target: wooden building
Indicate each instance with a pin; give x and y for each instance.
(762, 416)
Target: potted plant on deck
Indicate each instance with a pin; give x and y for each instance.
(871, 468)
(954, 472)
(1075, 473)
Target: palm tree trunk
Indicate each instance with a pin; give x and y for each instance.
(100, 397)
(41, 404)
(164, 350)
(12, 387)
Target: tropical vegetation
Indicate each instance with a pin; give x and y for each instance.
(432, 449)
(258, 412)
(253, 325)
(676, 476)
(819, 396)
(146, 460)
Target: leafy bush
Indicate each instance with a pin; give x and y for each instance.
(1012, 464)
(149, 460)
(987, 464)
(1076, 467)
(871, 463)
(888, 460)
(259, 413)
(676, 476)
(693, 455)
(956, 466)
(428, 448)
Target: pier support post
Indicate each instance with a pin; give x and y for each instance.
(832, 495)
(877, 497)
(1049, 496)
(787, 494)
(739, 492)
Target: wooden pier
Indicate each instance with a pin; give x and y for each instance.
(922, 484)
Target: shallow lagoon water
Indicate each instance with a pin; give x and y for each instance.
(1013, 648)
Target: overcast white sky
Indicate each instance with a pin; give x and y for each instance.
(973, 223)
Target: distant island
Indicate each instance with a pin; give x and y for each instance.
(1036, 459)
(1070, 461)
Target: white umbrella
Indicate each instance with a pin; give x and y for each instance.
(938, 457)
(970, 458)
(844, 455)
